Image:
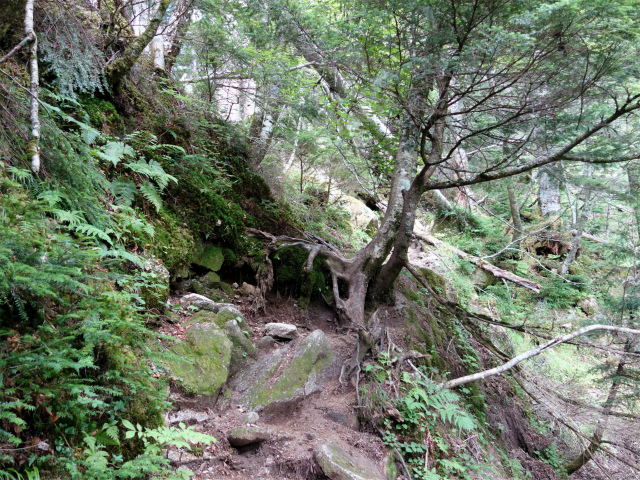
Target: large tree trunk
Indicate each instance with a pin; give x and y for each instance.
(263, 125)
(633, 175)
(176, 36)
(515, 215)
(549, 191)
(121, 67)
(576, 241)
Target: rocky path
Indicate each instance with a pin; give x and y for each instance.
(283, 413)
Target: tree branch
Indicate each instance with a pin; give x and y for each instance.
(536, 351)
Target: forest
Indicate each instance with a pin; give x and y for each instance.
(319, 239)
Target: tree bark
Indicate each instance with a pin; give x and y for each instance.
(183, 23)
(633, 175)
(263, 126)
(33, 147)
(515, 215)
(121, 67)
(582, 221)
(549, 191)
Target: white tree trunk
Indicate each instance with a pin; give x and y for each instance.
(549, 191)
(34, 117)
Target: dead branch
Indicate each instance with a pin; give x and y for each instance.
(534, 352)
(484, 265)
(16, 49)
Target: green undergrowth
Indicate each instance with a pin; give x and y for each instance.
(73, 344)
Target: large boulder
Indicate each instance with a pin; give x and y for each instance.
(205, 303)
(362, 216)
(203, 359)
(339, 465)
(287, 376)
(210, 257)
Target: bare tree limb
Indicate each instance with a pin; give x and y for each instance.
(29, 38)
(536, 351)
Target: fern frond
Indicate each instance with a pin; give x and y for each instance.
(151, 194)
(123, 191)
(114, 152)
(74, 218)
(92, 231)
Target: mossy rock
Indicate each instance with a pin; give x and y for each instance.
(156, 293)
(301, 376)
(242, 350)
(226, 289)
(221, 319)
(211, 280)
(337, 464)
(204, 359)
(211, 258)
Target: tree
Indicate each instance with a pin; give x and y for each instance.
(516, 74)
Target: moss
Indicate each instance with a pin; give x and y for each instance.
(172, 242)
(437, 281)
(288, 265)
(476, 401)
(102, 113)
(203, 359)
(226, 288)
(211, 258)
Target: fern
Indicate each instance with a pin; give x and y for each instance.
(114, 152)
(93, 231)
(151, 194)
(73, 218)
(152, 170)
(124, 191)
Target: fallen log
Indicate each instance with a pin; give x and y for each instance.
(483, 264)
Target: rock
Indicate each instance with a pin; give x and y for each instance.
(241, 347)
(265, 344)
(589, 305)
(155, 295)
(272, 383)
(206, 303)
(226, 288)
(251, 417)
(204, 359)
(211, 280)
(243, 436)
(338, 465)
(249, 289)
(187, 416)
(281, 330)
(482, 278)
(234, 285)
(211, 258)
(221, 319)
(361, 215)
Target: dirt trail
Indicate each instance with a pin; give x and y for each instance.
(328, 415)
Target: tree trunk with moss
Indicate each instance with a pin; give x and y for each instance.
(121, 67)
